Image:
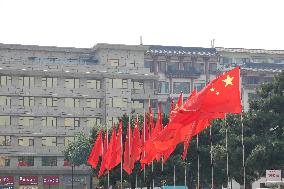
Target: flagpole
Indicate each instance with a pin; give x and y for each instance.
(197, 145)
(243, 146)
(144, 139)
(174, 176)
(227, 151)
(211, 159)
(185, 175)
(121, 158)
(107, 148)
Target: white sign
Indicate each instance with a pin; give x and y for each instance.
(273, 175)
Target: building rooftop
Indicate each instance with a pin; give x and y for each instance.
(253, 51)
(178, 50)
(272, 67)
(44, 48)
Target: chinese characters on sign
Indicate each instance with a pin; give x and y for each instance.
(6, 180)
(51, 180)
(273, 175)
(28, 180)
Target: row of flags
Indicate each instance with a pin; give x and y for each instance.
(186, 120)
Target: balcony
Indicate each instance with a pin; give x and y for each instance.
(189, 73)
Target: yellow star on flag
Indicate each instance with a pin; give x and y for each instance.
(228, 80)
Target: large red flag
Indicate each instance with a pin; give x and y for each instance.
(220, 95)
(136, 147)
(96, 151)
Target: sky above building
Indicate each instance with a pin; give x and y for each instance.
(254, 24)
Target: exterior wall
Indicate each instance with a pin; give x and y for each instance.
(82, 65)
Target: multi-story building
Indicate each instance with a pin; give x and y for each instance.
(50, 94)
(180, 69)
(257, 66)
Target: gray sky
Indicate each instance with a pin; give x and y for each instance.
(83, 23)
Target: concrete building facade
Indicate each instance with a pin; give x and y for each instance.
(50, 94)
(257, 66)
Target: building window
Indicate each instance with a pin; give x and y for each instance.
(26, 161)
(49, 161)
(27, 81)
(93, 84)
(181, 87)
(5, 140)
(5, 80)
(118, 102)
(49, 82)
(172, 66)
(252, 80)
(199, 67)
(49, 121)
(93, 121)
(26, 141)
(5, 120)
(49, 102)
(212, 68)
(112, 121)
(27, 101)
(137, 84)
(162, 67)
(72, 102)
(72, 122)
(93, 103)
(137, 104)
(253, 96)
(114, 62)
(26, 121)
(227, 60)
(118, 83)
(72, 83)
(5, 101)
(49, 141)
(199, 86)
(163, 87)
(4, 161)
(68, 140)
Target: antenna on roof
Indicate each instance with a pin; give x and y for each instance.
(141, 42)
(212, 43)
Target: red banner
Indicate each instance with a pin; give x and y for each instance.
(6, 180)
(51, 180)
(28, 180)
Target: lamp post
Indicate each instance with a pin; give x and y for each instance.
(72, 175)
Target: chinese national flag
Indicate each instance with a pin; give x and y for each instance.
(220, 95)
(96, 151)
(105, 147)
(117, 148)
(107, 160)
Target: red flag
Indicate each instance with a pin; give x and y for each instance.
(220, 95)
(117, 148)
(96, 151)
(127, 150)
(105, 165)
(105, 147)
(136, 147)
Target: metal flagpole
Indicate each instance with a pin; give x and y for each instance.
(198, 178)
(185, 175)
(144, 139)
(121, 158)
(227, 154)
(211, 158)
(243, 145)
(107, 148)
(174, 176)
